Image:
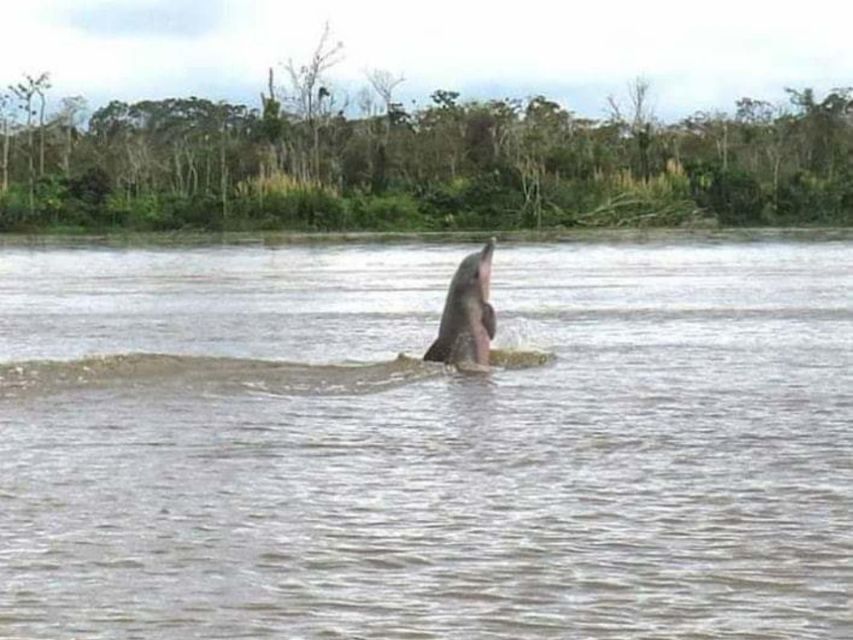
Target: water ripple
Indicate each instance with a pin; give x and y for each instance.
(681, 469)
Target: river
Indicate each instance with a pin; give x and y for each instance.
(227, 441)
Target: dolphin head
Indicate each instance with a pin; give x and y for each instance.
(474, 275)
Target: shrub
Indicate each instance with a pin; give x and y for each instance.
(142, 213)
(92, 186)
(486, 201)
(282, 201)
(733, 194)
(807, 198)
(14, 209)
(392, 212)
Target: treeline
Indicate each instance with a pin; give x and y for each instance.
(305, 160)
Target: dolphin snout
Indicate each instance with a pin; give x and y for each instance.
(489, 248)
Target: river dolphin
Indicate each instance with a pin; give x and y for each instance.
(468, 322)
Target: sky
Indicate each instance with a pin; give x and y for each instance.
(696, 56)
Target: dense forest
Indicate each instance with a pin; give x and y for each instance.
(309, 159)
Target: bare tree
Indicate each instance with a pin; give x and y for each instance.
(639, 94)
(640, 123)
(384, 83)
(769, 127)
(69, 116)
(367, 103)
(526, 157)
(310, 90)
(273, 155)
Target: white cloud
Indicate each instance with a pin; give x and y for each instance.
(697, 56)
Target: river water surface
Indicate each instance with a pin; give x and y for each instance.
(225, 442)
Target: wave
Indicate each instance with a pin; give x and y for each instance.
(205, 374)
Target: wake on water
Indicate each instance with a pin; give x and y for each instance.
(205, 374)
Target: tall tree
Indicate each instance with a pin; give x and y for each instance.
(42, 84)
(383, 83)
(26, 92)
(70, 115)
(640, 122)
(311, 94)
(6, 114)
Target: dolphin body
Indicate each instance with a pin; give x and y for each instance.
(468, 322)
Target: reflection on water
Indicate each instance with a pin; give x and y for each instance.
(680, 468)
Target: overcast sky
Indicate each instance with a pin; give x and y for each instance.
(697, 55)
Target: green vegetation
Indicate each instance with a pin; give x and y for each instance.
(301, 163)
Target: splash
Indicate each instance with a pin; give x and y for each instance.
(203, 374)
(520, 358)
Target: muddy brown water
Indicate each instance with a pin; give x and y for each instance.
(225, 441)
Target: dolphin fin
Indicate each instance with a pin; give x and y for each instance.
(490, 321)
(438, 352)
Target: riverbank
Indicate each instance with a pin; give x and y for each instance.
(274, 238)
